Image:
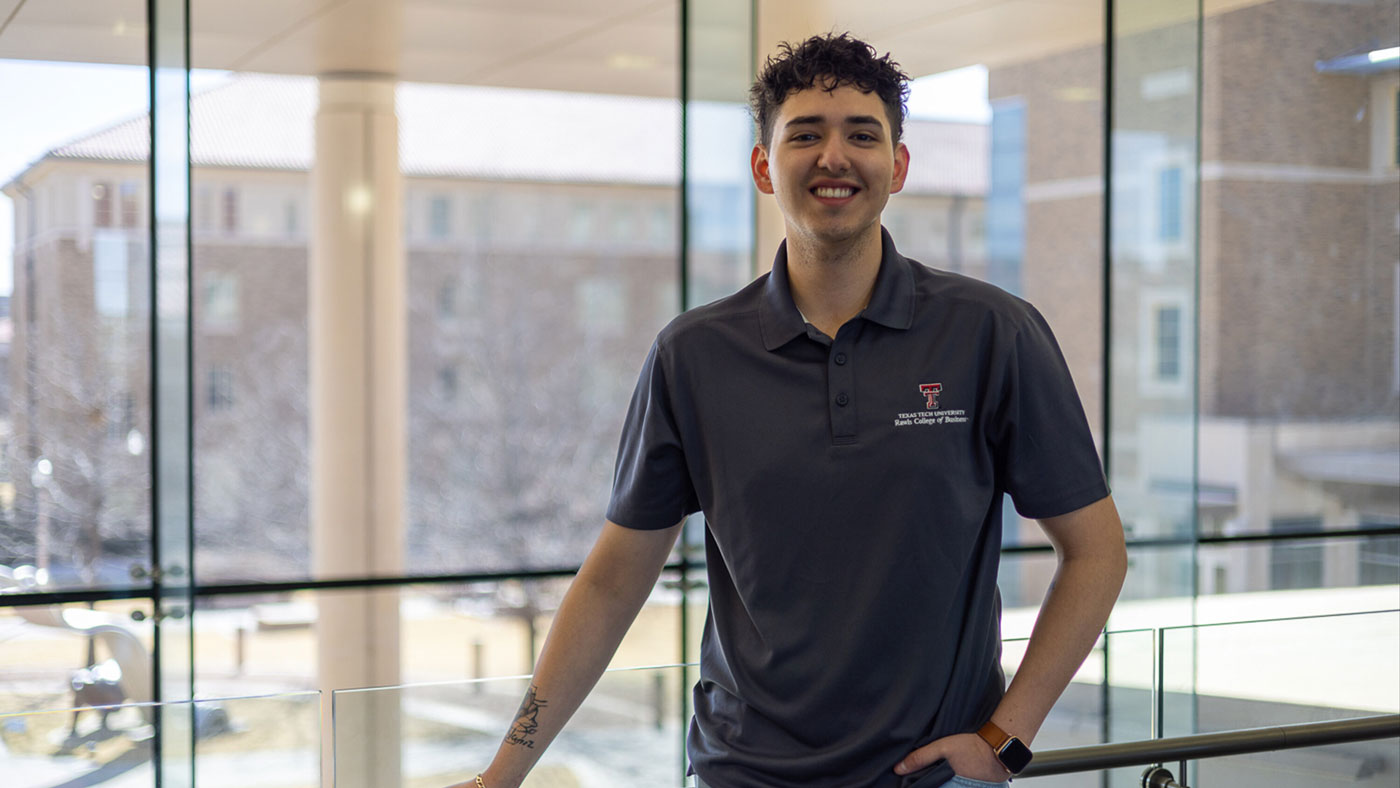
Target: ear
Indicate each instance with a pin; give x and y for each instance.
(901, 168)
(758, 162)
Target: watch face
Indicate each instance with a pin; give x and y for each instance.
(1014, 755)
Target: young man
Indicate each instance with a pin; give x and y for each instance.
(848, 424)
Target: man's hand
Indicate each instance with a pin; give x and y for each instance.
(968, 754)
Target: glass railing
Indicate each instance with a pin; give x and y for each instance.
(1252, 674)
(268, 741)
(1110, 699)
(628, 732)
(1135, 685)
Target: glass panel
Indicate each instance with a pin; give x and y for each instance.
(1299, 426)
(719, 136)
(75, 255)
(445, 633)
(105, 648)
(176, 729)
(628, 732)
(491, 327)
(1108, 700)
(247, 741)
(1153, 271)
(1344, 575)
(1299, 670)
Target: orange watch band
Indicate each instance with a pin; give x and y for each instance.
(993, 735)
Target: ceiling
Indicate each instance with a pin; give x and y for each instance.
(611, 46)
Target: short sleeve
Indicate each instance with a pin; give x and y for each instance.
(652, 488)
(1048, 461)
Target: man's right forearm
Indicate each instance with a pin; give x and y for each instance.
(599, 607)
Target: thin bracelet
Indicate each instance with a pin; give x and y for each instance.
(480, 783)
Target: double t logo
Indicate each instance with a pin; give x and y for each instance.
(930, 392)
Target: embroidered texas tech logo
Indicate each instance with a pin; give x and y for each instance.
(930, 392)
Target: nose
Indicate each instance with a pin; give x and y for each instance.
(832, 156)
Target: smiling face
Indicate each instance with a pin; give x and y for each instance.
(832, 164)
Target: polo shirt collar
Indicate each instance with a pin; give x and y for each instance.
(891, 302)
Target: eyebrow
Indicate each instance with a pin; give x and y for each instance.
(851, 120)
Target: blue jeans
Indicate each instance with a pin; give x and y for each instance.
(957, 782)
(968, 782)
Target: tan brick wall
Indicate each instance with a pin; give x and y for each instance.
(1301, 307)
(1265, 100)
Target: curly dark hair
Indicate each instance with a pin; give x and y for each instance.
(830, 61)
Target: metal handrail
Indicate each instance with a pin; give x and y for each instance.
(1212, 745)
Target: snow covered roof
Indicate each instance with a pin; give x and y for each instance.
(266, 122)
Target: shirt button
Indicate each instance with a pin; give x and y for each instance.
(842, 400)
(840, 359)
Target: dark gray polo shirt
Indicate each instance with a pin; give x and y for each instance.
(852, 490)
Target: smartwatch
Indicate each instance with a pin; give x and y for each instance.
(1011, 751)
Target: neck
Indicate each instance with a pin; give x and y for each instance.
(832, 283)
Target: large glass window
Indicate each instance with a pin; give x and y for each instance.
(75, 336)
(1299, 415)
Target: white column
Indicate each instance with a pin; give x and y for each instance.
(792, 21)
(358, 371)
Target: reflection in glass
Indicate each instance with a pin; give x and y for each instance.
(628, 732)
(266, 741)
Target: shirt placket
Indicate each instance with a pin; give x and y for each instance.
(841, 388)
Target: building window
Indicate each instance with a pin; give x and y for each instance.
(624, 224)
(447, 383)
(447, 301)
(102, 205)
(219, 305)
(440, 217)
(1168, 343)
(291, 219)
(1295, 564)
(204, 209)
(130, 202)
(229, 211)
(659, 226)
(110, 275)
(1006, 201)
(602, 307)
(581, 222)
(220, 387)
(1169, 204)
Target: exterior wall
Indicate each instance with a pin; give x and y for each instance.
(1297, 264)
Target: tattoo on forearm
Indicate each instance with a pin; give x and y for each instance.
(527, 719)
